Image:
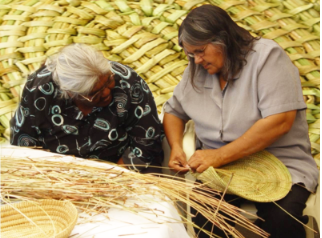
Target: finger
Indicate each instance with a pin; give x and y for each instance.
(201, 168)
(179, 168)
(176, 163)
(194, 164)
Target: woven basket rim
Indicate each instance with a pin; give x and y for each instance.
(273, 185)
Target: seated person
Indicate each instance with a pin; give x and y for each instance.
(244, 96)
(79, 103)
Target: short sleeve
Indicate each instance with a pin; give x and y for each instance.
(279, 85)
(174, 104)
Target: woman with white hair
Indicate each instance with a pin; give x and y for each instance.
(82, 104)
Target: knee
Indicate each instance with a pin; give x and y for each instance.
(283, 216)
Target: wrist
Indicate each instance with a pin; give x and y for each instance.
(222, 157)
(176, 146)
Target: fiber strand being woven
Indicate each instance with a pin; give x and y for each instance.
(96, 188)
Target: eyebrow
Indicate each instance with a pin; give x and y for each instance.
(196, 50)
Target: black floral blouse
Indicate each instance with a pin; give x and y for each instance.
(130, 123)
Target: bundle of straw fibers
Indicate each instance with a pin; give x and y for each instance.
(94, 187)
(144, 35)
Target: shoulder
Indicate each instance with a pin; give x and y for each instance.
(266, 52)
(123, 71)
(128, 84)
(264, 47)
(40, 80)
(266, 43)
(125, 76)
(39, 87)
(184, 83)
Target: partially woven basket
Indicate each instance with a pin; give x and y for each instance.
(260, 177)
(46, 218)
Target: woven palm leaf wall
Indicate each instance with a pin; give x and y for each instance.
(143, 35)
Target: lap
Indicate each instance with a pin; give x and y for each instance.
(279, 216)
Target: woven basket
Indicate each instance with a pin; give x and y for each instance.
(260, 177)
(48, 218)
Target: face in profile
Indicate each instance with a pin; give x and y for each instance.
(209, 56)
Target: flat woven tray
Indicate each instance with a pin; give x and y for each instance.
(45, 218)
(260, 177)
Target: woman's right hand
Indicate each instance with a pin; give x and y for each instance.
(178, 160)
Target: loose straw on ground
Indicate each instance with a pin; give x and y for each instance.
(96, 188)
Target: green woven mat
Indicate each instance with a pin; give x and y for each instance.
(144, 35)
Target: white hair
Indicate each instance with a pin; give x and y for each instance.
(76, 68)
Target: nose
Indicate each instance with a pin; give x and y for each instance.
(107, 90)
(198, 59)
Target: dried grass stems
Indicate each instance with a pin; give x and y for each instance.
(96, 187)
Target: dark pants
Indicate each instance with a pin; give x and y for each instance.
(278, 223)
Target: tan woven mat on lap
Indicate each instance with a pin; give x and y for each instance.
(260, 177)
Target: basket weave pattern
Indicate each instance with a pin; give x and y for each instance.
(260, 177)
(144, 35)
(45, 218)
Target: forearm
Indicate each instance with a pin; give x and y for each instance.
(262, 134)
(173, 128)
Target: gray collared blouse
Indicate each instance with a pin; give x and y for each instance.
(129, 124)
(268, 84)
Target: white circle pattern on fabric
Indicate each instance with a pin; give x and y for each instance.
(124, 84)
(68, 129)
(138, 112)
(47, 88)
(137, 152)
(45, 72)
(58, 122)
(20, 117)
(26, 140)
(102, 124)
(147, 110)
(120, 70)
(150, 132)
(62, 149)
(55, 110)
(145, 87)
(40, 103)
(136, 93)
(111, 136)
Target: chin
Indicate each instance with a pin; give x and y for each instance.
(211, 71)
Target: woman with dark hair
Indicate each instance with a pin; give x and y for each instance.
(244, 95)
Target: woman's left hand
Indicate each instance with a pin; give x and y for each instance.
(203, 159)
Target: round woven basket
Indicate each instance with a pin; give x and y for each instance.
(46, 218)
(260, 177)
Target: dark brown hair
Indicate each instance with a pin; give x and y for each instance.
(210, 24)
